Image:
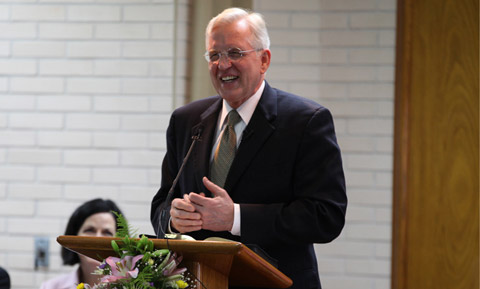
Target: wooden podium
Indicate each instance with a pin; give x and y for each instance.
(216, 264)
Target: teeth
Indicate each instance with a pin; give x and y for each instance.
(227, 78)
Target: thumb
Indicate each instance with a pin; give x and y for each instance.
(213, 188)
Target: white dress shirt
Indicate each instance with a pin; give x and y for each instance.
(245, 111)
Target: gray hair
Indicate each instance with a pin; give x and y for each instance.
(260, 38)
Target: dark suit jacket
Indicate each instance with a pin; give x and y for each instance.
(287, 177)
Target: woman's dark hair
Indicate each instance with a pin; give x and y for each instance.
(78, 218)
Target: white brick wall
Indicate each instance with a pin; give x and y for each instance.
(86, 93)
(341, 54)
(85, 99)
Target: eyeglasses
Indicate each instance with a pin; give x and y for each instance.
(232, 54)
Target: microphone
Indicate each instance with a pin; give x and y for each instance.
(163, 222)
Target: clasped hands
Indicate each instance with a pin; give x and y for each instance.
(195, 211)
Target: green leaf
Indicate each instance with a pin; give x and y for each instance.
(160, 252)
(124, 229)
(116, 248)
(164, 262)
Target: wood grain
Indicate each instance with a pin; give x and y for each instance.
(436, 171)
(217, 264)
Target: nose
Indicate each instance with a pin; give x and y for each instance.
(224, 62)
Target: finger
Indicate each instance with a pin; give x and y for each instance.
(186, 222)
(184, 215)
(198, 200)
(182, 204)
(213, 188)
(184, 226)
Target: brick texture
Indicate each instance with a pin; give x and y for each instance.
(86, 92)
(85, 99)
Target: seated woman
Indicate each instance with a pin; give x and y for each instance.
(93, 218)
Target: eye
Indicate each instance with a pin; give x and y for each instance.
(213, 55)
(88, 230)
(107, 233)
(234, 54)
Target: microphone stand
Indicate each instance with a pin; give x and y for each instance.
(163, 222)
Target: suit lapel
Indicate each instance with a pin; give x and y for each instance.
(259, 129)
(201, 155)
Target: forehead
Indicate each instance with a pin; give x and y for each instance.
(100, 219)
(236, 34)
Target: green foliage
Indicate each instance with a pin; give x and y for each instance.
(123, 227)
(156, 268)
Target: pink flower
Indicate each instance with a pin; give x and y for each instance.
(171, 267)
(122, 268)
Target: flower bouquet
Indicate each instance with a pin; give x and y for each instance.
(138, 265)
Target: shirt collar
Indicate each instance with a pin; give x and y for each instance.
(247, 108)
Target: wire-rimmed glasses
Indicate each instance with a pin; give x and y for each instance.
(232, 54)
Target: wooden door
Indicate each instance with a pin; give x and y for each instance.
(436, 170)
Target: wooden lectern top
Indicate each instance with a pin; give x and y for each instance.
(233, 259)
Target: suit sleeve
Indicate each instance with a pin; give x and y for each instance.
(316, 211)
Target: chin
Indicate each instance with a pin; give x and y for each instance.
(89, 261)
(231, 94)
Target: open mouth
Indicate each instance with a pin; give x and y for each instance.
(229, 78)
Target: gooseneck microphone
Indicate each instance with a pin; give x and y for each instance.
(163, 221)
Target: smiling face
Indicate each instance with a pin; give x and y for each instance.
(237, 80)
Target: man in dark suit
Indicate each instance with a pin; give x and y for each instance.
(284, 189)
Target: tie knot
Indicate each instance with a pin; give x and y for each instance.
(233, 117)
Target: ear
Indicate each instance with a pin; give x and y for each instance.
(265, 59)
